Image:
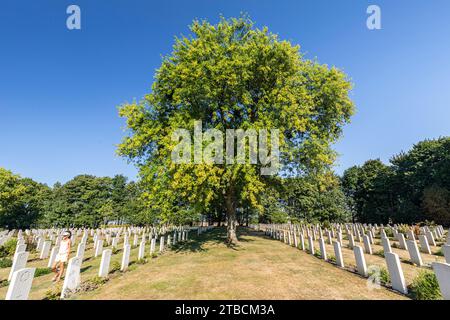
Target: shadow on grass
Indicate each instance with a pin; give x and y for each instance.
(85, 269)
(217, 235)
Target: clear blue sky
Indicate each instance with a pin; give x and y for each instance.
(59, 89)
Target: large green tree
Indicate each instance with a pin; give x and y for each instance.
(22, 200)
(233, 76)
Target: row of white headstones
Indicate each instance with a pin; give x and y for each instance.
(21, 277)
(295, 235)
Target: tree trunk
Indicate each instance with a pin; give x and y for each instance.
(231, 218)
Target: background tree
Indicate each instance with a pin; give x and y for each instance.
(233, 76)
(415, 187)
(22, 200)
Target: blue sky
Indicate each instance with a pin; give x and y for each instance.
(59, 89)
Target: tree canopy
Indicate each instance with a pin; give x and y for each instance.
(414, 187)
(233, 76)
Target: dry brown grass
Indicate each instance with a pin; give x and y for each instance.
(259, 268)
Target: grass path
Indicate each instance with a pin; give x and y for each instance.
(259, 268)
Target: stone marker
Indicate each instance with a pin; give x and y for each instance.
(446, 251)
(351, 241)
(135, 240)
(53, 255)
(72, 279)
(152, 245)
(386, 244)
(424, 246)
(21, 248)
(20, 285)
(302, 242)
(98, 248)
(125, 257)
(104, 263)
(45, 250)
(19, 262)
(339, 238)
(330, 238)
(442, 271)
(367, 246)
(338, 254)
(161, 244)
(430, 238)
(410, 235)
(141, 253)
(323, 250)
(311, 245)
(414, 253)
(360, 261)
(401, 241)
(80, 250)
(395, 271)
(114, 242)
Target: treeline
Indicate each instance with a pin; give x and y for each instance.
(414, 187)
(85, 200)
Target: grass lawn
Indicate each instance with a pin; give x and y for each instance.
(259, 268)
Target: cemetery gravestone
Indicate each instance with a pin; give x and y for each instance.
(72, 279)
(396, 272)
(20, 285)
(19, 262)
(104, 263)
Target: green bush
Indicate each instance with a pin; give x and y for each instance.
(425, 287)
(42, 271)
(115, 266)
(53, 294)
(332, 259)
(379, 253)
(5, 262)
(4, 283)
(389, 232)
(8, 248)
(385, 278)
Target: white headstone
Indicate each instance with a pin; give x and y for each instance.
(360, 261)
(53, 255)
(395, 271)
(98, 248)
(141, 254)
(351, 241)
(152, 245)
(430, 238)
(414, 253)
(311, 245)
(386, 244)
(125, 257)
(323, 250)
(80, 250)
(442, 271)
(424, 246)
(401, 241)
(72, 279)
(104, 263)
(161, 244)
(446, 251)
(302, 242)
(20, 285)
(19, 262)
(45, 249)
(367, 246)
(338, 254)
